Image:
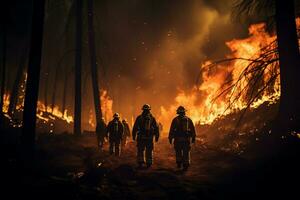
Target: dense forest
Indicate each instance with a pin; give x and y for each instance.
(89, 88)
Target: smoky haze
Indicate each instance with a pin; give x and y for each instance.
(156, 48)
(147, 50)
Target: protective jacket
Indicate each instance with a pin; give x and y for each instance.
(115, 130)
(145, 127)
(182, 128)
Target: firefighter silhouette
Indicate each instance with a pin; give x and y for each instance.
(126, 132)
(115, 132)
(182, 131)
(144, 130)
(101, 133)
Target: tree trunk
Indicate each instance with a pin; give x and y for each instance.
(93, 61)
(15, 90)
(46, 87)
(33, 77)
(65, 81)
(78, 47)
(289, 61)
(65, 92)
(3, 71)
(54, 87)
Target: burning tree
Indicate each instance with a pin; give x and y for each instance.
(288, 54)
(253, 72)
(248, 77)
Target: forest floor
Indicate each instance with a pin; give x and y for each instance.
(73, 167)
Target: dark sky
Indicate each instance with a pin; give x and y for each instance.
(147, 50)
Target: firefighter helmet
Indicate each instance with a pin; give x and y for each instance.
(146, 107)
(180, 110)
(116, 115)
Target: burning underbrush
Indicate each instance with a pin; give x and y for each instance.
(245, 79)
(225, 135)
(237, 95)
(51, 119)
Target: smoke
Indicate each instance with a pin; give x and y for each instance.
(154, 49)
(147, 50)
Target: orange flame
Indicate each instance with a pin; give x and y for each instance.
(106, 105)
(200, 100)
(41, 108)
(91, 119)
(5, 103)
(56, 113)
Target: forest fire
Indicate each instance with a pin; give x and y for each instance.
(106, 107)
(47, 113)
(90, 88)
(224, 85)
(41, 108)
(206, 102)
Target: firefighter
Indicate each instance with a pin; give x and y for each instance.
(182, 131)
(115, 132)
(101, 133)
(144, 130)
(126, 132)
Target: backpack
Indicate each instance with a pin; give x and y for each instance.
(147, 123)
(183, 124)
(115, 126)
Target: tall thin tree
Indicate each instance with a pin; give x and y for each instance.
(289, 61)
(33, 77)
(46, 86)
(78, 47)
(288, 51)
(64, 100)
(3, 70)
(16, 85)
(93, 61)
(56, 76)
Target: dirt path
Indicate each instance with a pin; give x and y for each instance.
(163, 179)
(203, 161)
(73, 167)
